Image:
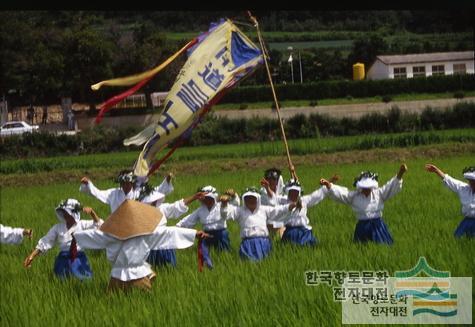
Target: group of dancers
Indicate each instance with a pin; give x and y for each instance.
(274, 208)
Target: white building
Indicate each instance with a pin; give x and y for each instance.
(423, 64)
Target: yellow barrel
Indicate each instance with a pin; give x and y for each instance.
(358, 71)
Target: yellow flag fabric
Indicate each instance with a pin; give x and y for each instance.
(222, 57)
(130, 80)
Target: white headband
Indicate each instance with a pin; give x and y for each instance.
(469, 175)
(367, 183)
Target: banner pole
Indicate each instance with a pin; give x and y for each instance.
(264, 54)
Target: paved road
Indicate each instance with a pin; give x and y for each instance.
(347, 110)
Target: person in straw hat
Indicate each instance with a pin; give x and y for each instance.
(11, 235)
(209, 215)
(71, 260)
(128, 236)
(253, 219)
(466, 193)
(367, 203)
(173, 210)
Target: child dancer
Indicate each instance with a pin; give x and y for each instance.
(272, 183)
(253, 219)
(367, 203)
(297, 228)
(114, 196)
(163, 256)
(466, 193)
(209, 215)
(71, 260)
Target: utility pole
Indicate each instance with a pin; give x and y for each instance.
(300, 62)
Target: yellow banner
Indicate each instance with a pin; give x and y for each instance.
(222, 57)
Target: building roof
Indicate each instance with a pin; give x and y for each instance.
(427, 57)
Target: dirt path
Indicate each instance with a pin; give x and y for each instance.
(347, 110)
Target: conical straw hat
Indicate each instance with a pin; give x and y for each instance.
(132, 219)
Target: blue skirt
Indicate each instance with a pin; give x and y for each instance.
(255, 248)
(220, 240)
(374, 230)
(79, 268)
(162, 257)
(299, 235)
(466, 228)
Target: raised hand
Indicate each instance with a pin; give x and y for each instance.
(170, 176)
(28, 232)
(434, 169)
(224, 198)
(265, 183)
(402, 170)
(326, 183)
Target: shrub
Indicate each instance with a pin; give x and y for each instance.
(354, 89)
(214, 130)
(313, 103)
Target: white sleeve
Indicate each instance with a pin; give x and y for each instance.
(189, 221)
(229, 212)
(279, 213)
(90, 224)
(93, 239)
(341, 194)
(10, 235)
(316, 197)
(391, 188)
(165, 188)
(235, 201)
(273, 200)
(174, 210)
(171, 238)
(49, 240)
(453, 184)
(91, 189)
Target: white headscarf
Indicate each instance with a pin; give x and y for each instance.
(154, 196)
(469, 175)
(211, 192)
(252, 192)
(72, 207)
(367, 183)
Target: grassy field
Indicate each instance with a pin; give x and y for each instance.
(242, 150)
(342, 101)
(422, 219)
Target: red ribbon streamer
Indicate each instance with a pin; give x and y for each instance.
(200, 255)
(118, 98)
(73, 250)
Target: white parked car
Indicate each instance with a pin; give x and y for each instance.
(17, 127)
